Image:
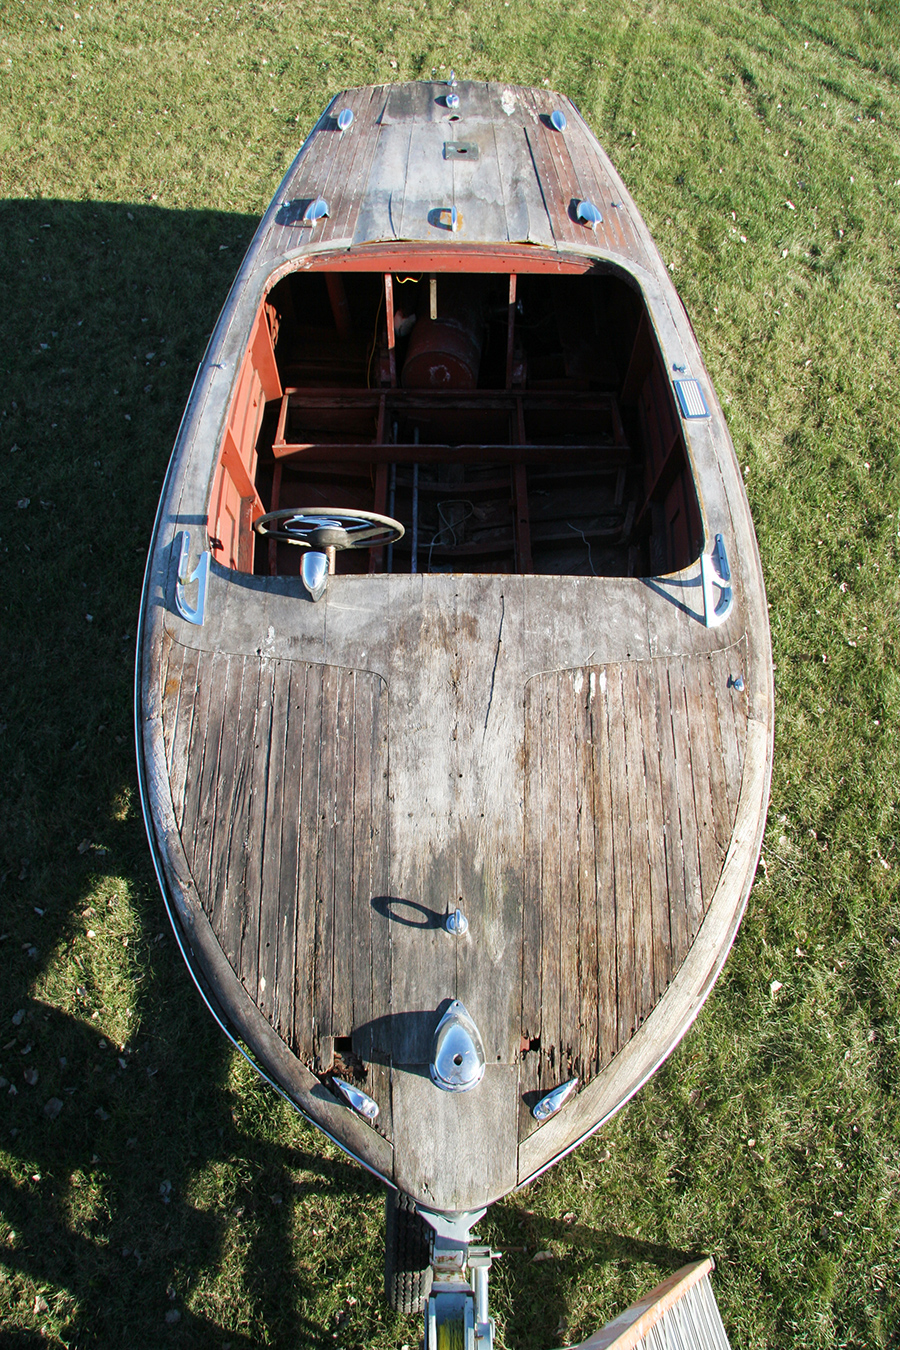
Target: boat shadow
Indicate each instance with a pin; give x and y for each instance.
(677, 590)
(155, 1187)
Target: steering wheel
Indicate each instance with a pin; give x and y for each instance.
(327, 527)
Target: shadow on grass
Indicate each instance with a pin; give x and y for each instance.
(579, 1253)
(115, 1094)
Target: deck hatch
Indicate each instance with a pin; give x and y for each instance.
(690, 398)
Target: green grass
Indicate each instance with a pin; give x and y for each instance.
(138, 145)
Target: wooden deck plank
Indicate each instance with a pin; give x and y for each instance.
(532, 912)
(202, 778)
(350, 800)
(357, 941)
(690, 821)
(707, 679)
(321, 986)
(571, 1033)
(489, 732)
(732, 713)
(587, 1016)
(372, 986)
(636, 752)
(423, 880)
(626, 974)
(256, 830)
(231, 913)
(190, 694)
(655, 747)
(310, 735)
(604, 866)
(275, 946)
(551, 881)
(671, 818)
(171, 666)
(711, 856)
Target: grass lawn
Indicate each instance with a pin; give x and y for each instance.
(152, 1191)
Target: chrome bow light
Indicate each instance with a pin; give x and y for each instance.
(457, 1053)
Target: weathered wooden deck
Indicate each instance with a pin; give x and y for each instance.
(331, 816)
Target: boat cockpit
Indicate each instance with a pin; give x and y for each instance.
(510, 422)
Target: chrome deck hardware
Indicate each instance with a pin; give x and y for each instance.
(558, 120)
(457, 923)
(192, 613)
(457, 1054)
(315, 212)
(715, 572)
(589, 214)
(360, 1101)
(345, 119)
(554, 1101)
(314, 573)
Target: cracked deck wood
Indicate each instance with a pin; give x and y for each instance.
(632, 777)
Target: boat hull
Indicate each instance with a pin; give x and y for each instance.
(578, 762)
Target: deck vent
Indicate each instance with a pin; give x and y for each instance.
(690, 398)
(558, 120)
(315, 211)
(589, 213)
(345, 119)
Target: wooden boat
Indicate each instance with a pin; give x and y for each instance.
(471, 799)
